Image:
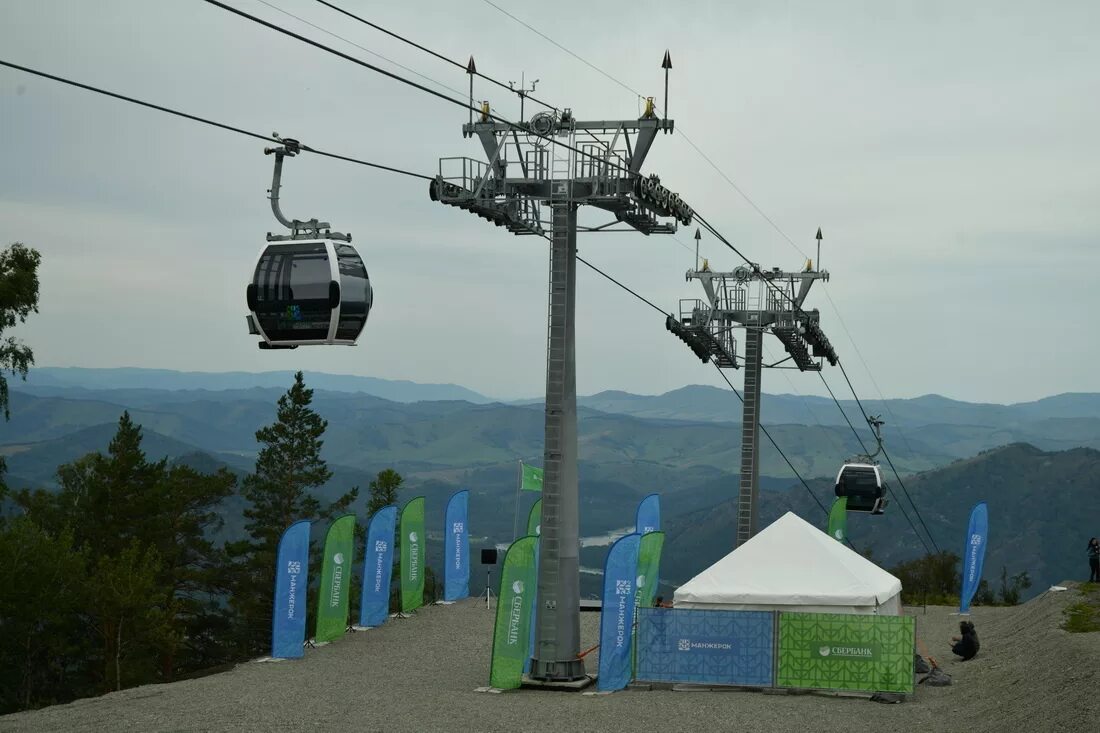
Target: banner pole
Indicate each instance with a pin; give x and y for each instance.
(515, 514)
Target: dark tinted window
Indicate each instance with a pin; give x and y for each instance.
(292, 286)
(355, 293)
(860, 481)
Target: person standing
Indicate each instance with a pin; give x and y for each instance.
(1094, 560)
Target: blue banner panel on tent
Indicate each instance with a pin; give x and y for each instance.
(456, 568)
(374, 605)
(706, 647)
(288, 621)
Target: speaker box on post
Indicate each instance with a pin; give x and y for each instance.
(489, 556)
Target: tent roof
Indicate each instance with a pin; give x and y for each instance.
(791, 562)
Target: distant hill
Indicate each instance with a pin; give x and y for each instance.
(130, 378)
(712, 404)
(369, 433)
(1043, 507)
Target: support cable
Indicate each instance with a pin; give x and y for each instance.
(887, 455)
(901, 506)
(205, 120)
(430, 52)
(397, 77)
(768, 435)
(350, 42)
(722, 239)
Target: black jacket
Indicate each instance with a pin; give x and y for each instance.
(968, 645)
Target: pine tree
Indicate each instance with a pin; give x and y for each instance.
(18, 299)
(141, 533)
(280, 492)
(383, 490)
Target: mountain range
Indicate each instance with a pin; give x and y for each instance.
(683, 444)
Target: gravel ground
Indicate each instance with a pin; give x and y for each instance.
(419, 674)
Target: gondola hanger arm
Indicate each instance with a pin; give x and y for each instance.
(299, 229)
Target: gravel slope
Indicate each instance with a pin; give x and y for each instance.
(419, 675)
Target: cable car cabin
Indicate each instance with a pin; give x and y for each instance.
(309, 291)
(862, 484)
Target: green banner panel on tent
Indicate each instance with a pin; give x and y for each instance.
(846, 652)
(412, 555)
(332, 599)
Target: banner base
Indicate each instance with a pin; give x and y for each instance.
(559, 685)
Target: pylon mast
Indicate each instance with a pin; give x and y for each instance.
(535, 178)
(760, 302)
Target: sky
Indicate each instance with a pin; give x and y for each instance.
(948, 151)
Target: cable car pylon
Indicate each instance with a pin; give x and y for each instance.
(310, 287)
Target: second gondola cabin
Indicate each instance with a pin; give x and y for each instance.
(862, 484)
(309, 292)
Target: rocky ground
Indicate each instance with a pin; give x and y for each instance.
(420, 674)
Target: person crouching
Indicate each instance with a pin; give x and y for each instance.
(967, 645)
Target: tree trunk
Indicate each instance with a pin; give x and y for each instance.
(118, 657)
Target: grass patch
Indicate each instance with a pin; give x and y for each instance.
(1084, 615)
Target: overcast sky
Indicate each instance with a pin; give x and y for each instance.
(949, 151)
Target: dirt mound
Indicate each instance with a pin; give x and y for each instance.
(1029, 674)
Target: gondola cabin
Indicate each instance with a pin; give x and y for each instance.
(308, 292)
(862, 484)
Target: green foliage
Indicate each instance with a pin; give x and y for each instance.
(40, 601)
(383, 490)
(115, 577)
(279, 492)
(433, 590)
(18, 299)
(1012, 586)
(1083, 616)
(931, 579)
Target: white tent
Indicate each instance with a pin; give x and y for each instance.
(793, 566)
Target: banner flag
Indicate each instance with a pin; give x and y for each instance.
(412, 555)
(977, 537)
(515, 612)
(648, 518)
(374, 606)
(534, 519)
(288, 619)
(531, 478)
(649, 567)
(456, 564)
(620, 575)
(333, 595)
(838, 519)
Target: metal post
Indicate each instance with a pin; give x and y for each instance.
(750, 428)
(557, 619)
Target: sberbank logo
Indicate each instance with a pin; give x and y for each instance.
(338, 558)
(413, 537)
(839, 534)
(640, 582)
(824, 649)
(517, 587)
